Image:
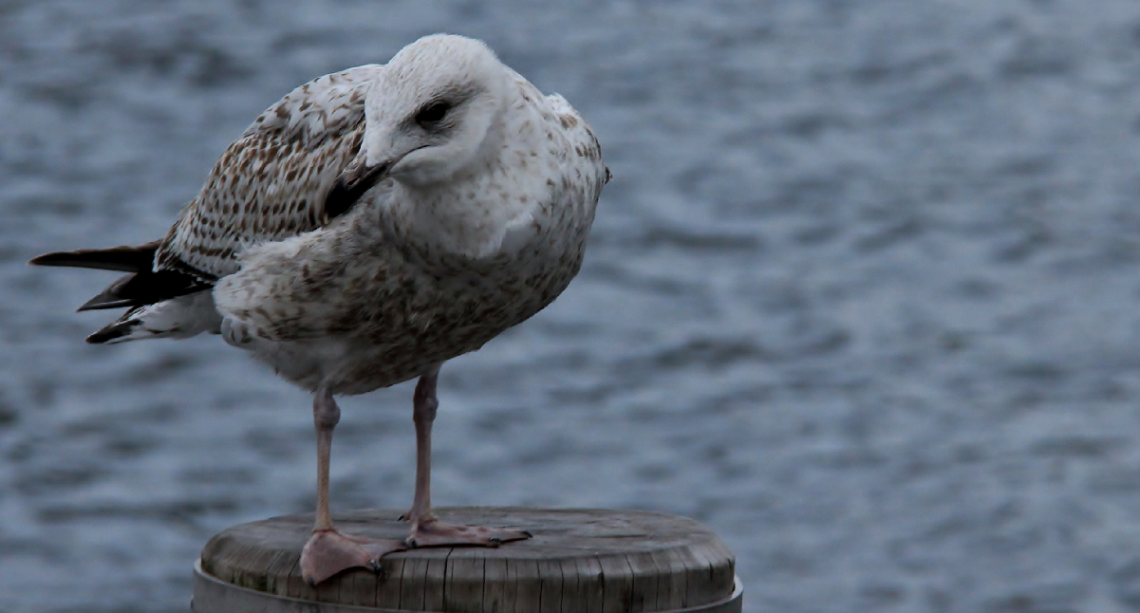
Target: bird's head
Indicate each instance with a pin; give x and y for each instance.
(430, 114)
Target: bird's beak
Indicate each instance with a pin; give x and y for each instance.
(351, 185)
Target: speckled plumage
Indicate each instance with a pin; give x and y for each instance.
(270, 183)
(419, 270)
(370, 226)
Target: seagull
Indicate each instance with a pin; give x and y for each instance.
(369, 226)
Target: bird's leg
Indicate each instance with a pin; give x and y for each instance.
(427, 531)
(425, 405)
(328, 551)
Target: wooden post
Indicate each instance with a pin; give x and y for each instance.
(579, 561)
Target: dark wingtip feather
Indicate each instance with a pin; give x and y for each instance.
(102, 302)
(113, 297)
(144, 288)
(58, 258)
(125, 258)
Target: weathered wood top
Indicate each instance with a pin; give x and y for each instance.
(580, 560)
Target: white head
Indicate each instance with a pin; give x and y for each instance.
(430, 115)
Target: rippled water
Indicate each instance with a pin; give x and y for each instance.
(861, 297)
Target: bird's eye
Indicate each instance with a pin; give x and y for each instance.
(433, 113)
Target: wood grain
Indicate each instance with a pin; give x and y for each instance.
(580, 560)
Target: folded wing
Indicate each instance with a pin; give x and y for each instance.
(271, 183)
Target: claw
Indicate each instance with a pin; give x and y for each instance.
(496, 540)
(527, 533)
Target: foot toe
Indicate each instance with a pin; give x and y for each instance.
(328, 552)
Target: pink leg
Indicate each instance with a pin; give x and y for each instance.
(427, 531)
(328, 552)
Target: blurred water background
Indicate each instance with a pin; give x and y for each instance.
(861, 297)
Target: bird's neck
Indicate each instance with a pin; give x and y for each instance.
(470, 214)
(467, 218)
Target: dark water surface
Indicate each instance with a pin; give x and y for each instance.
(862, 297)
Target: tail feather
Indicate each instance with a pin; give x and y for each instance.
(181, 317)
(118, 329)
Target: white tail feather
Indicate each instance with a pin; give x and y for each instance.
(180, 317)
